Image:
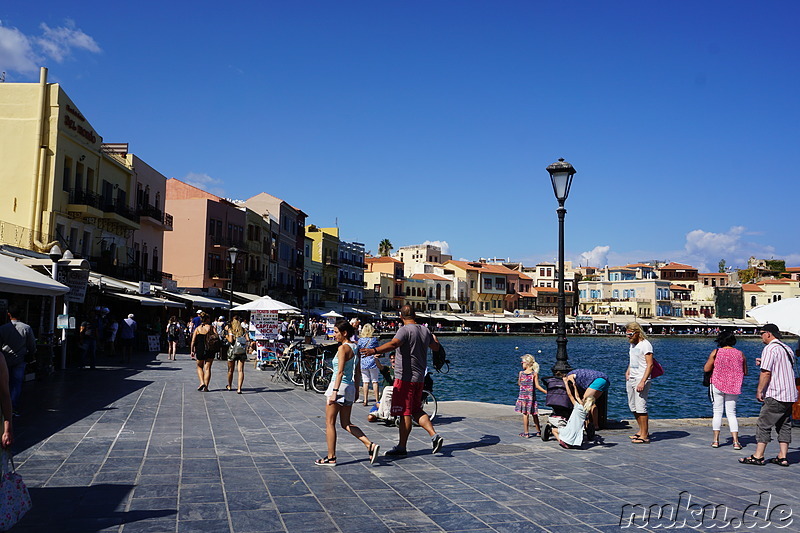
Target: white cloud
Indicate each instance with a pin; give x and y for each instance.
(596, 257)
(704, 249)
(445, 247)
(205, 182)
(24, 54)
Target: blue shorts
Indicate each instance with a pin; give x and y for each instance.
(600, 384)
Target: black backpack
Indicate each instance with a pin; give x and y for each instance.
(440, 360)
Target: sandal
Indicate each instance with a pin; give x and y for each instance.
(525, 435)
(715, 444)
(373, 452)
(634, 437)
(753, 460)
(640, 441)
(330, 461)
(780, 461)
(737, 446)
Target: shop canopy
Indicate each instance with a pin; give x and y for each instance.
(146, 301)
(16, 278)
(206, 302)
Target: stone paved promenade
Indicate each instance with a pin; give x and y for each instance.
(137, 448)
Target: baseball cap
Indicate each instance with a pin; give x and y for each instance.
(771, 328)
(199, 312)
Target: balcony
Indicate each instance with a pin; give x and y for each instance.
(128, 272)
(115, 210)
(81, 197)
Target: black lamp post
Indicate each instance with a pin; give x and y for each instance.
(309, 282)
(561, 174)
(232, 254)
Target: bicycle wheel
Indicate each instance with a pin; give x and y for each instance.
(295, 371)
(321, 379)
(429, 404)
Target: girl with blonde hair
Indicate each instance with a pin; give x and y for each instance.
(528, 382)
(237, 352)
(370, 366)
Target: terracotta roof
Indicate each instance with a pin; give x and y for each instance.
(792, 269)
(677, 266)
(639, 265)
(385, 259)
(678, 288)
(527, 294)
(548, 289)
(712, 274)
(525, 276)
(773, 282)
(434, 277)
(749, 287)
(484, 267)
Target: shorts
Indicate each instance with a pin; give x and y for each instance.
(407, 398)
(774, 414)
(172, 338)
(236, 356)
(346, 394)
(370, 375)
(600, 384)
(637, 401)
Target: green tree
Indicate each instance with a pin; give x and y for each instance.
(385, 247)
(746, 275)
(722, 265)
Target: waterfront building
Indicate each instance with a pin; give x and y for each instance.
(769, 291)
(258, 237)
(416, 254)
(312, 270)
(288, 242)
(380, 272)
(205, 227)
(679, 274)
(60, 183)
(438, 292)
(638, 297)
(351, 273)
(488, 286)
(325, 250)
(793, 273)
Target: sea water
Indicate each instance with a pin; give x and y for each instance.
(484, 369)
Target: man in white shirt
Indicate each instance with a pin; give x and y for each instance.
(777, 390)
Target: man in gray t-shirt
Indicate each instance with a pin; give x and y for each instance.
(411, 341)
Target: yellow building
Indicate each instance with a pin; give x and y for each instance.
(58, 182)
(325, 250)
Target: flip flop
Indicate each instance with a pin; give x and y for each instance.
(373, 452)
(632, 437)
(640, 441)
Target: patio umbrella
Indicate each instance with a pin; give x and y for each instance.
(333, 314)
(784, 313)
(265, 303)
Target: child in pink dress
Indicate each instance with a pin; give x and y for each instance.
(526, 403)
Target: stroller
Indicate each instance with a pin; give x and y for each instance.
(558, 400)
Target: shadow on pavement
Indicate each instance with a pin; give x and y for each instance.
(441, 420)
(86, 509)
(65, 397)
(668, 435)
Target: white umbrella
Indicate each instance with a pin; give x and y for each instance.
(333, 314)
(265, 303)
(784, 313)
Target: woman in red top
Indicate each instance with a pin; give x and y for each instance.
(729, 368)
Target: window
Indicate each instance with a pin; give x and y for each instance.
(500, 284)
(66, 179)
(211, 225)
(487, 283)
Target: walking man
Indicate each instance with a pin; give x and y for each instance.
(411, 341)
(127, 335)
(16, 342)
(776, 389)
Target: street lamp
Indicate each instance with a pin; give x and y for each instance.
(55, 257)
(309, 282)
(232, 254)
(561, 174)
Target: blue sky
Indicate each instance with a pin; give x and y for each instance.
(434, 121)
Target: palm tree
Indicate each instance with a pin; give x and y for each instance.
(385, 247)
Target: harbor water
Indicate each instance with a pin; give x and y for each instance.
(484, 369)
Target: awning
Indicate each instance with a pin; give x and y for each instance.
(206, 302)
(454, 307)
(146, 300)
(16, 278)
(246, 296)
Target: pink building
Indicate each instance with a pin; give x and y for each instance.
(205, 227)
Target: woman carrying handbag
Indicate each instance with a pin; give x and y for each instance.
(728, 368)
(14, 498)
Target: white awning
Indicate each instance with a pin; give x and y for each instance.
(454, 307)
(146, 300)
(246, 296)
(16, 278)
(206, 302)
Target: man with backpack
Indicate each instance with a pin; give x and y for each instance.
(411, 343)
